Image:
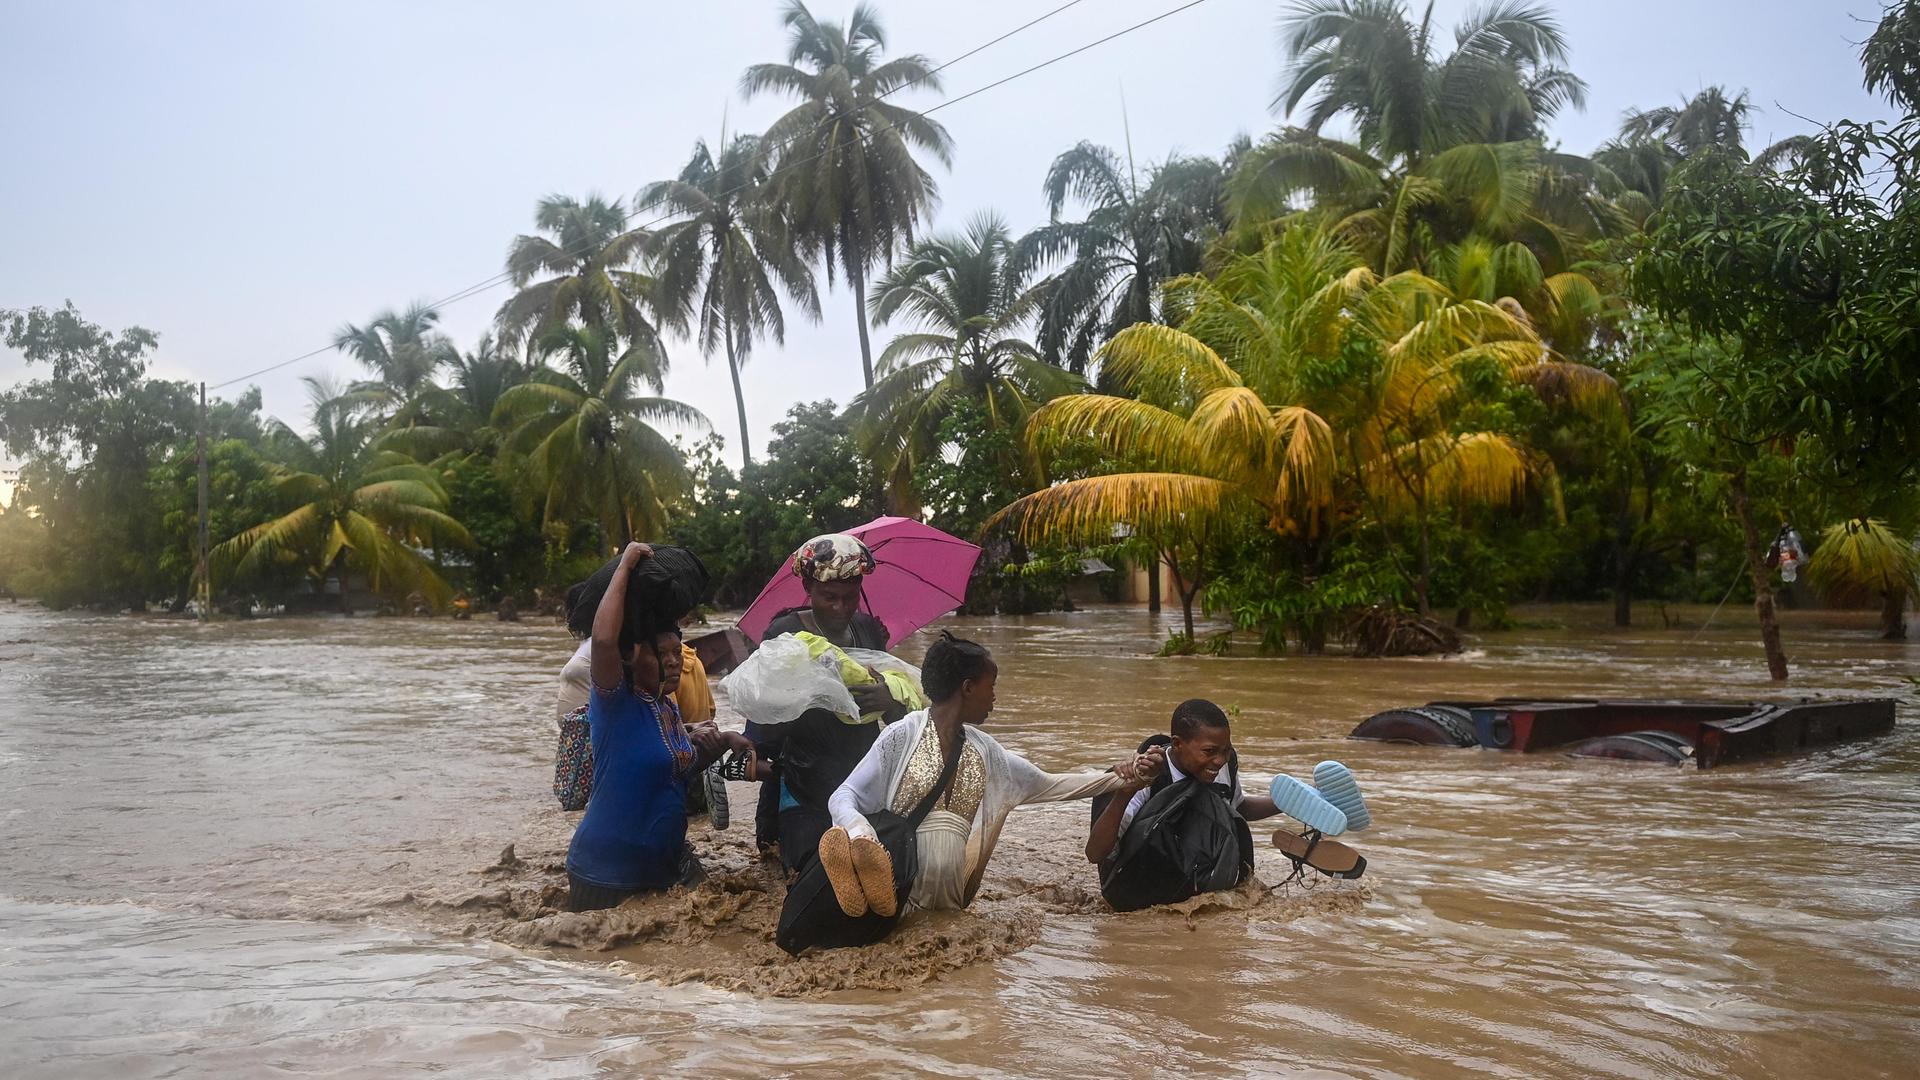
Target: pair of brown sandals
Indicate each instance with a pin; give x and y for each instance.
(861, 873)
(1330, 857)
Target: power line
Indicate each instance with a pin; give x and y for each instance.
(501, 278)
(1066, 55)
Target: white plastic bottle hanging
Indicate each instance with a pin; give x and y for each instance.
(1792, 553)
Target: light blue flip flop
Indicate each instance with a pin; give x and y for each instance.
(1337, 785)
(1301, 802)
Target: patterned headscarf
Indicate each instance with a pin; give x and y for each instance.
(833, 557)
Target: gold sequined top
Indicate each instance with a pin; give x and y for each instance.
(923, 771)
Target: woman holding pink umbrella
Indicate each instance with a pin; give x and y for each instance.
(803, 761)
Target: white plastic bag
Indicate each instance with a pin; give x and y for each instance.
(883, 662)
(781, 680)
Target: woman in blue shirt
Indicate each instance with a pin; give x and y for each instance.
(633, 837)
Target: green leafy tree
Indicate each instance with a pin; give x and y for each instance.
(1654, 142)
(87, 436)
(242, 492)
(509, 549)
(848, 181)
(728, 256)
(1301, 391)
(1891, 55)
(1793, 292)
(1865, 562)
(23, 551)
(746, 524)
(1448, 175)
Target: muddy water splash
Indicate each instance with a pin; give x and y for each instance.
(276, 848)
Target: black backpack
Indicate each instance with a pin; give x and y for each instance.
(1186, 840)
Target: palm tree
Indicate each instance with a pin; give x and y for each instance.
(1448, 148)
(1302, 390)
(1860, 561)
(579, 273)
(969, 303)
(1541, 212)
(355, 507)
(846, 173)
(1131, 240)
(1654, 142)
(480, 379)
(1370, 62)
(1708, 119)
(404, 352)
(585, 437)
(730, 246)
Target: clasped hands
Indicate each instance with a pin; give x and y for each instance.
(1142, 769)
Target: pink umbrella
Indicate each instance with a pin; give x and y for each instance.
(920, 574)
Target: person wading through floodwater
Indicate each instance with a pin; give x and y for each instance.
(955, 840)
(1201, 824)
(633, 837)
(802, 762)
(1185, 832)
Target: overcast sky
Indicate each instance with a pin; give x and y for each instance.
(242, 178)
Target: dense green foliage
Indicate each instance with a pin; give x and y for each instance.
(1402, 379)
(745, 525)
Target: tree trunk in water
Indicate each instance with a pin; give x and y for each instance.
(1757, 569)
(1623, 573)
(1623, 551)
(1420, 584)
(1623, 585)
(858, 277)
(1893, 616)
(1186, 607)
(739, 399)
(1153, 585)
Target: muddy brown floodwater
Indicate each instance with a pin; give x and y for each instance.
(275, 849)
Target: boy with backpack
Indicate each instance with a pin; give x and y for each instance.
(1184, 832)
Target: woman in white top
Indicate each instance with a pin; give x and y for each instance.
(957, 838)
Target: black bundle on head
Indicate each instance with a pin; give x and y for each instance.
(661, 590)
(1193, 714)
(949, 663)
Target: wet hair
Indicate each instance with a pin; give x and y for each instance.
(578, 626)
(1194, 714)
(950, 663)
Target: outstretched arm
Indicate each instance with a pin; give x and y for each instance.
(1038, 786)
(608, 666)
(1255, 807)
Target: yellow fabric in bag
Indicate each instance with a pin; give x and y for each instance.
(900, 685)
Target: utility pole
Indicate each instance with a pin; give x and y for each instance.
(200, 560)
